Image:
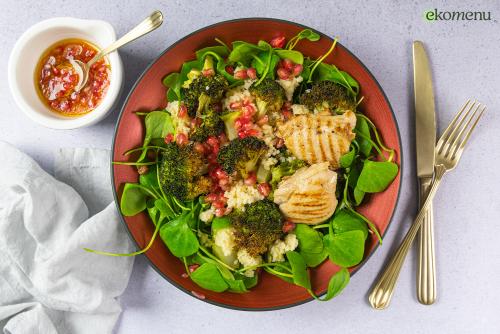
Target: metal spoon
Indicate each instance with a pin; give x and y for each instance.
(152, 22)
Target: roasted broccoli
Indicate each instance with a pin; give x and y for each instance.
(327, 95)
(269, 96)
(181, 172)
(241, 155)
(211, 125)
(202, 90)
(285, 169)
(229, 119)
(258, 226)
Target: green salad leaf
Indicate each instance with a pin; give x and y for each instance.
(299, 269)
(344, 221)
(209, 277)
(134, 198)
(179, 237)
(345, 249)
(376, 176)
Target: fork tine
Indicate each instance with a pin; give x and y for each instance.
(444, 136)
(460, 128)
(460, 148)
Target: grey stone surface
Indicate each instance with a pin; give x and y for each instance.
(465, 58)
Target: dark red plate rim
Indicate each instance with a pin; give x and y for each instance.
(115, 195)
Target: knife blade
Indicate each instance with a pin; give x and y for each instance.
(425, 122)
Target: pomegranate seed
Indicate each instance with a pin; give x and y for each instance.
(219, 212)
(283, 74)
(235, 105)
(241, 74)
(246, 101)
(208, 148)
(212, 141)
(208, 72)
(287, 105)
(184, 275)
(182, 111)
(218, 204)
(222, 198)
(193, 267)
(198, 295)
(278, 42)
(181, 139)
(212, 158)
(288, 226)
(222, 138)
(242, 134)
(252, 132)
(287, 114)
(196, 122)
(297, 69)
(279, 143)
(251, 179)
(142, 170)
(264, 189)
(252, 73)
(237, 124)
(230, 69)
(211, 197)
(198, 147)
(169, 138)
(220, 174)
(287, 64)
(215, 149)
(263, 120)
(249, 111)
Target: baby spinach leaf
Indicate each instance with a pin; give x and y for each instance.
(310, 240)
(259, 63)
(208, 277)
(332, 73)
(336, 284)
(314, 259)
(376, 176)
(358, 195)
(250, 282)
(220, 223)
(299, 269)
(178, 237)
(304, 34)
(345, 249)
(243, 52)
(344, 221)
(133, 199)
(295, 56)
(221, 69)
(173, 83)
(158, 125)
(164, 209)
(150, 180)
(347, 159)
(217, 51)
(365, 147)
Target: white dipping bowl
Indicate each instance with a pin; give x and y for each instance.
(27, 52)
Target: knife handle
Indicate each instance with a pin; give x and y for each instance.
(426, 275)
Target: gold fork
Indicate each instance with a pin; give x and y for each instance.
(449, 149)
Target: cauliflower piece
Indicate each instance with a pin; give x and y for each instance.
(241, 194)
(207, 215)
(299, 109)
(181, 124)
(247, 260)
(289, 86)
(280, 247)
(224, 239)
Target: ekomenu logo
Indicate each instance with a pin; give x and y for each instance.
(438, 15)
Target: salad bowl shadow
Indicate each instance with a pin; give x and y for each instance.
(149, 94)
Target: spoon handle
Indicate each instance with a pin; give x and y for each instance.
(152, 22)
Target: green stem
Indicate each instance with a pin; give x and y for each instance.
(317, 227)
(157, 228)
(213, 257)
(377, 148)
(149, 163)
(223, 44)
(320, 60)
(277, 273)
(143, 148)
(266, 70)
(377, 137)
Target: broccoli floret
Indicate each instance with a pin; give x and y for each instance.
(269, 96)
(258, 226)
(241, 155)
(327, 94)
(181, 172)
(212, 125)
(286, 168)
(204, 90)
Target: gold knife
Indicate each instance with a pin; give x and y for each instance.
(425, 122)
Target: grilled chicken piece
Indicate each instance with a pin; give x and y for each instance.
(308, 196)
(319, 138)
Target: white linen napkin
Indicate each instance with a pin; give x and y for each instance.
(48, 283)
